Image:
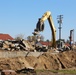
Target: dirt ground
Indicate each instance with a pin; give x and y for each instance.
(47, 61)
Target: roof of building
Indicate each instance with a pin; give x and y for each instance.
(45, 43)
(5, 37)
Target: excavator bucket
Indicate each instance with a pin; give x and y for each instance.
(40, 25)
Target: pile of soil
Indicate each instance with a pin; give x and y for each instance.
(46, 61)
(50, 61)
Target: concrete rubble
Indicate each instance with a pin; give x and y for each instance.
(15, 45)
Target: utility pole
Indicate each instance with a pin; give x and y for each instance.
(71, 38)
(59, 19)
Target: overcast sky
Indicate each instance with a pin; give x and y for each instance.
(21, 16)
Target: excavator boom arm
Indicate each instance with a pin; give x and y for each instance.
(47, 16)
(40, 26)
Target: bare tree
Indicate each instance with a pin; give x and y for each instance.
(31, 38)
(35, 38)
(19, 36)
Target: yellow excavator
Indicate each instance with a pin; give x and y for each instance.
(40, 26)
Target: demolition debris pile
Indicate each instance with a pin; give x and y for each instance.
(15, 45)
(21, 45)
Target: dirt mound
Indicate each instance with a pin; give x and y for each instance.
(49, 61)
(14, 63)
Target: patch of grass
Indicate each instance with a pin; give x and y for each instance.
(59, 71)
(64, 71)
(40, 70)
